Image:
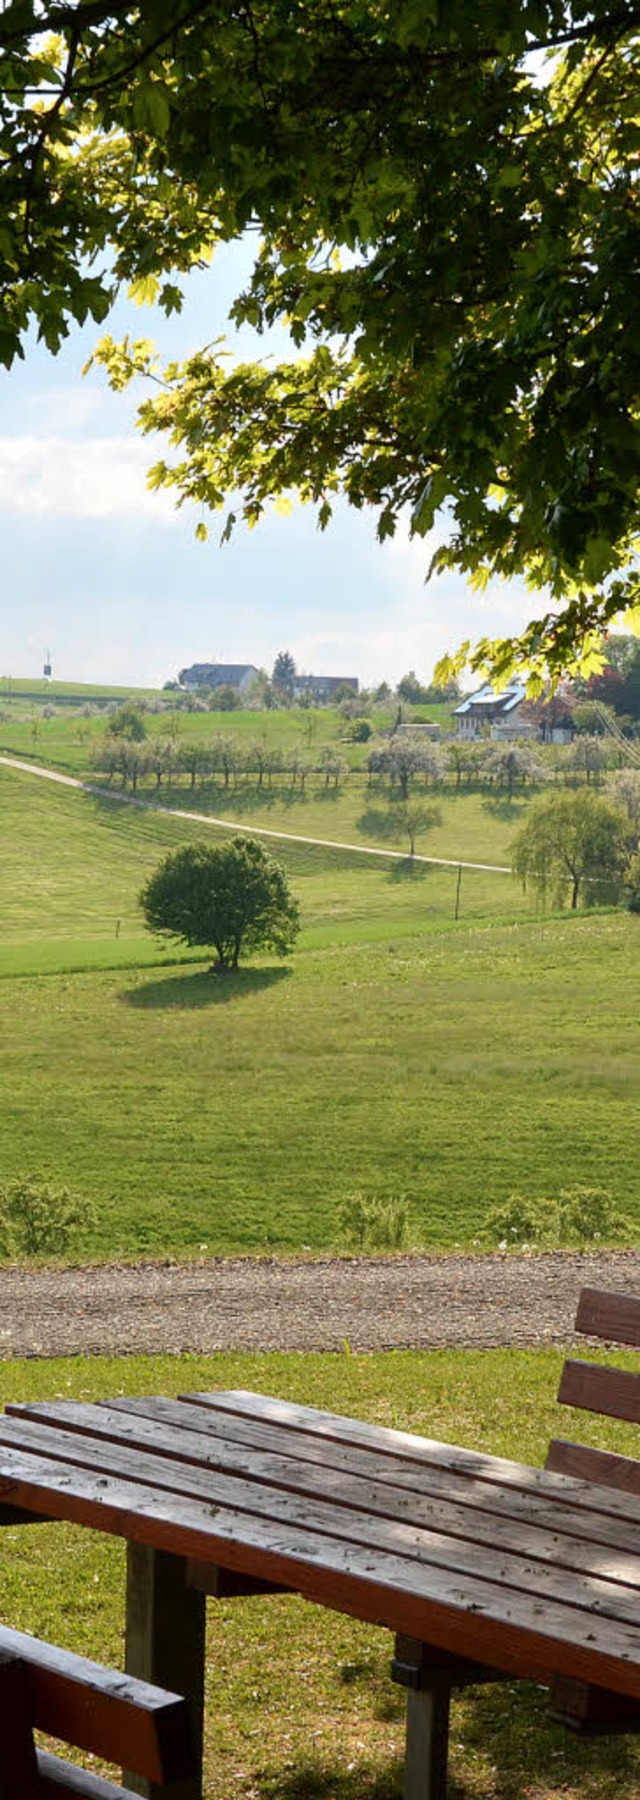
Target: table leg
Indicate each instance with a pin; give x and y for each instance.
(425, 1768)
(165, 1644)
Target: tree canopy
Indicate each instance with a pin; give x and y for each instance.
(575, 845)
(445, 208)
(232, 897)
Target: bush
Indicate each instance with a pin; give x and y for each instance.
(578, 1216)
(37, 1219)
(632, 884)
(367, 1223)
(358, 731)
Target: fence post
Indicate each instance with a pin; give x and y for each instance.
(458, 887)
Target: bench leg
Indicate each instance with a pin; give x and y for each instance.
(165, 1644)
(425, 1769)
(18, 1767)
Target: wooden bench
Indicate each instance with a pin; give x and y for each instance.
(431, 1678)
(615, 1318)
(111, 1715)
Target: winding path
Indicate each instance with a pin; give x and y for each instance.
(287, 837)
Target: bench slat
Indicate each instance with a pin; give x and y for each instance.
(457, 1547)
(112, 1715)
(601, 1466)
(615, 1392)
(60, 1780)
(615, 1317)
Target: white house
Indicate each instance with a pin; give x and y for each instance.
(502, 712)
(509, 714)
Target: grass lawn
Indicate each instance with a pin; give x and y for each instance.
(73, 865)
(396, 1053)
(238, 1113)
(299, 1701)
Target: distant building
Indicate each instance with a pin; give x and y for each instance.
(430, 730)
(240, 676)
(509, 714)
(323, 687)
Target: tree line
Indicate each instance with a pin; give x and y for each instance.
(399, 762)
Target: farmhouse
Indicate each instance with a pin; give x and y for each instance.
(323, 687)
(214, 675)
(509, 714)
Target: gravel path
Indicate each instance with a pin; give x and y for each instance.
(385, 1303)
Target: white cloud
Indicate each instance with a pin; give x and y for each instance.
(425, 619)
(96, 478)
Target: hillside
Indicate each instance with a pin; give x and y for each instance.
(396, 1053)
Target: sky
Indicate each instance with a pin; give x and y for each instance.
(110, 579)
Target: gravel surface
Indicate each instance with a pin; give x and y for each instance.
(384, 1303)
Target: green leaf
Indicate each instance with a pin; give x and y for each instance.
(151, 107)
(144, 291)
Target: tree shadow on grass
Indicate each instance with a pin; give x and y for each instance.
(509, 1724)
(408, 869)
(377, 823)
(203, 988)
(317, 1778)
(501, 807)
(497, 1733)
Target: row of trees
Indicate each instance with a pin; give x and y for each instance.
(401, 762)
(134, 760)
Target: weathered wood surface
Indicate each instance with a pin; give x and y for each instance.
(614, 1392)
(165, 1644)
(601, 1466)
(18, 1766)
(581, 1705)
(101, 1710)
(65, 1781)
(517, 1569)
(614, 1317)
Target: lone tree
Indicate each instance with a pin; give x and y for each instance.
(574, 844)
(232, 897)
(284, 674)
(475, 349)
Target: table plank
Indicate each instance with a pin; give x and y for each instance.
(617, 1556)
(425, 1452)
(611, 1589)
(535, 1500)
(522, 1633)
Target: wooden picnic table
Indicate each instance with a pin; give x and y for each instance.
(483, 1568)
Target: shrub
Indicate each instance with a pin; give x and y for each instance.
(578, 1216)
(358, 731)
(37, 1219)
(632, 884)
(368, 1223)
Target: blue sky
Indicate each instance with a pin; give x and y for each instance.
(112, 580)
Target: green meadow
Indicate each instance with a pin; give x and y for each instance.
(397, 1052)
(299, 1703)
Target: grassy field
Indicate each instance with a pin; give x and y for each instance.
(66, 739)
(73, 865)
(393, 1055)
(299, 1702)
